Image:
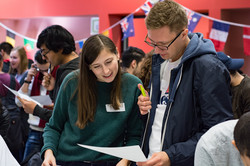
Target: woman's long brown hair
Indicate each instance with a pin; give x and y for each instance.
(87, 95)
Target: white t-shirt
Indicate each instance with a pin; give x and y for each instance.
(6, 158)
(155, 137)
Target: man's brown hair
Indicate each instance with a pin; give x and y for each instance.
(167, 13)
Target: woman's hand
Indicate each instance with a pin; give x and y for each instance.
(49, 159)
(123, 162)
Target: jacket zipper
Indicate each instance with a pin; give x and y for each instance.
(165, 125)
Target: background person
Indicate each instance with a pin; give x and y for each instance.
(215, 146)
(33, 87)
(6, 158)
(146, 70)
(16, 132)
(57, 46)
(240, 84)
(241, 137)
(5, 49)
(19, 64)
(131, 60)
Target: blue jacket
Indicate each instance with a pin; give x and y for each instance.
(199, 98)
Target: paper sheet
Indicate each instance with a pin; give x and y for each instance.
(43, 99)
(23, 96)
(132, 153)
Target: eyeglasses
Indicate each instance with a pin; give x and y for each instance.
(44, 55)
(162, 47)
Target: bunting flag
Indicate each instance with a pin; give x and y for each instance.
(193, 19)
(246, 40)
(128, 27)
(106, 33)
(81, 44)
(146, 7)
(218, 35)
(28, 44)
(10, 38)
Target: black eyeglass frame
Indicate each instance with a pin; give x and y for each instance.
(44, 55)
(161, 46)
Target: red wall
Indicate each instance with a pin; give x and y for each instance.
(19, 15)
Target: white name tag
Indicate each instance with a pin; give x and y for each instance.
(109, 108)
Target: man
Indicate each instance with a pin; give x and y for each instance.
(241, 138)
(5, 49)
(215, 146)
(57, 46)
(186, 104)
(131, 60)
(240, 85)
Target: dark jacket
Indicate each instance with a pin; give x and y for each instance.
(199, 98)
(61, 73)
(4, 121)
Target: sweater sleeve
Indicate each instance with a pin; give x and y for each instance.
(53, 129)
(134, 125)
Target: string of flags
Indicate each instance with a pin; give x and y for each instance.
(218, 33)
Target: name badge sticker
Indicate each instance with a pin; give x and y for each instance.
(109, 108)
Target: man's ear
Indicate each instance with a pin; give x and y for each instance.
(133, 64)
(233, 142)
(185, 32)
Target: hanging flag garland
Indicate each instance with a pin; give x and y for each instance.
(128, 27)
(246, 40)
(218, 35)
(10, 38)
(146, 7)
(193, 18)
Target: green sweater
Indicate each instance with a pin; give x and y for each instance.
(61, 135)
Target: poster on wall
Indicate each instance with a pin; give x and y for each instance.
(94, 25)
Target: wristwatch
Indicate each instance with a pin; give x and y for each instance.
(28, 82)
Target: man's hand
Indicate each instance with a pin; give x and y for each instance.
(157, 159)
(28, 106)
(48, 81)
(144, 102)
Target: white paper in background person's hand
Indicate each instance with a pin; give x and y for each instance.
(23, 96)
(132, 153)
(42, 99)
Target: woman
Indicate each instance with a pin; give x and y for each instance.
(5, 79)
(32, 86)
(96, 105)
(19, 63)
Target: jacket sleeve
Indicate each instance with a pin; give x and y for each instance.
(42, 113)
(4, 122)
